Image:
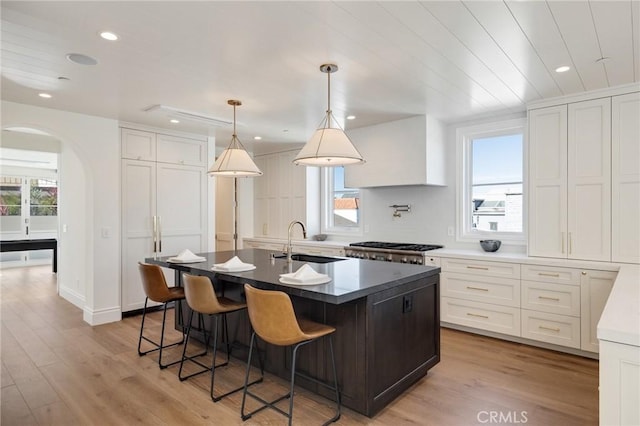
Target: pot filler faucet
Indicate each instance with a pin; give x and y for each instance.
(304, 234)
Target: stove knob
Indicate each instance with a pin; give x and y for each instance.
(404, 260)
(419, 261)
(389, 258)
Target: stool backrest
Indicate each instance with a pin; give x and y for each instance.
(201, 297)
(272, 316)
(153, 282)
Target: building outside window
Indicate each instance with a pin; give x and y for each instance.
(341, 207)
(491, 181)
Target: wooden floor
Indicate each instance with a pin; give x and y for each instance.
(57, 370)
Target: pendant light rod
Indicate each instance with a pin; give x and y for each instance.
(235, 103)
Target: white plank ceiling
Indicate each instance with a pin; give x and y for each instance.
(455, 60)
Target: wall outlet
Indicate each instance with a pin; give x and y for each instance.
(64, 227)
(450, 231)
(106, 232)
(265, 229)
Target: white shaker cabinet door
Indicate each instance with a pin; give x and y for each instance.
(625, 175)
(589, 180)
(595, 287)
(181, 208)
(548, 181)
(138, 210)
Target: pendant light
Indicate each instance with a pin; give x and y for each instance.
(329, 146)
(235, 161)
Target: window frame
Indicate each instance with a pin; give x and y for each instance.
(464, 136)
(326, 207)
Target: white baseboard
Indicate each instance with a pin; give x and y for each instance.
(72, 296)
(102, 316)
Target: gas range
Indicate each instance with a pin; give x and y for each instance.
(390, 252)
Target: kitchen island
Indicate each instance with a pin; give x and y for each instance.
(386, 317)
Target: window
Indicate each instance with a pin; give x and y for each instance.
(341, 207)
(490, 184)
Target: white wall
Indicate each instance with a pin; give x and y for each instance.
(433, 209)
(94, 142)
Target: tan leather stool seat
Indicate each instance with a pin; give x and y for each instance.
(156, 289)
(201, 298)
(273, 320)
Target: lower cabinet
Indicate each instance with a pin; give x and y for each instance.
(549, 304)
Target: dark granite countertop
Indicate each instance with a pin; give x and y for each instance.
(350, 278)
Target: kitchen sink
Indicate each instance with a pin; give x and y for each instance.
(309, 258)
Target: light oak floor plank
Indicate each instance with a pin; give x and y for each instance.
(58, 370)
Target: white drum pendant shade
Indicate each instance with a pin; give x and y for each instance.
(235, 162)
(328, 147)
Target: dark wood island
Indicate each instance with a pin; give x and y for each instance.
(386, 317)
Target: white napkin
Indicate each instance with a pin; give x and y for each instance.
(232, 264)
(187, 256)
(305, 274)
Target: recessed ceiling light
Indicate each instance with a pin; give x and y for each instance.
(258, 138)
(285, 130)
(563, 68)
(79, 58)
(108, 35)
(45, 95)
(174, 121)
(351, 117)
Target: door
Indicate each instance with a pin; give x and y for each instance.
(625, 174)
(225, 205)
(589, 180)
(138, 212)
(548, 181)
(28, 211)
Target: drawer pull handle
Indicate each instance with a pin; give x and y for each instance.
(477, 315)
(549, 298)
(477, 288)
(542, 327)
(484, 268)
(544, 274)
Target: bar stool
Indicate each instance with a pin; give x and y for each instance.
(274, 321)
(202, 299)
(156, 289)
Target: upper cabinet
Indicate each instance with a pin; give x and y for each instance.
(141, 145)
(584, 183)
(403, 152)
(625, 176)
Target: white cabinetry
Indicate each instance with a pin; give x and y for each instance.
(625, 154)
(619, 384)
(280, 195)
(550, 304)
(570, 180)
(403, 152)
(595, 287)
(479, 294)
(164, 204)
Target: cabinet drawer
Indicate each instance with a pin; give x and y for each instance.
(501, 291)
(500, 319)
(433, 261)
(171, 149)
(551, 274)
(491, 269)
(551, 328)
(553, 298)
